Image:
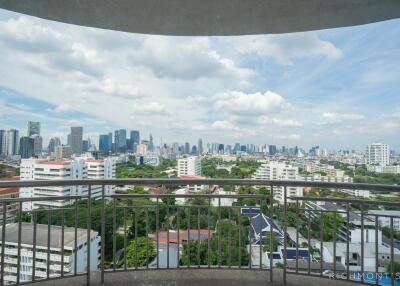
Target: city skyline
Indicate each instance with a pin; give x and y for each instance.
(335, 88)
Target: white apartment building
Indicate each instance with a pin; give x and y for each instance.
(35, 169)
(394, 169)
(384, 219)
(189, 165)
(319, 178)
(41, 262)
(377, 154)
(280, 171)
(357, 193)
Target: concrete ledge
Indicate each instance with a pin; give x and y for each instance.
(195, 277)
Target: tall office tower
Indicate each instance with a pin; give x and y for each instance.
(175, 148)
(151, 143)
(194, 150)
(200, 146)
(236, 148)
(228, 149)
(63, 152)
(135, 137)
(26, 147)
(272, 150)
(110, 141)
(85, 145)
(33, 128)
(377, 154)
(120, 140)
(53, 143)
(12, 142)
(76, 140)
(190, 165)
(187, 148)
(38, 144)
(104, 143)
(2, 142)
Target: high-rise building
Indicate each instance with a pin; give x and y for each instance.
(76, 140)
(377, 154)
(272, 150)
(151, 143)
(189, 165)
(200, 147)
(2, 142)
(37, 144)
(63, 152)
(104, 143)
(33, 128)
(53, 143)
(85, 145)
(120, 140)
(187, 148)
(12, 142)
(26, 147)
(280, 171)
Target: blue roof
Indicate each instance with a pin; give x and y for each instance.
(262, 225)
(250, 211)
(291, 253)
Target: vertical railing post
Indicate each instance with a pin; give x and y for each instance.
(103, 230)
(114, 248)
(76, 237)
(285, 234)
(89, 226)
(3, 239)
(19, 243)
(297, 235)
(334, 244)
(362, 242)
(271, 232)
(376, 251)
(348, 241)
(261, 237)
(392, 274)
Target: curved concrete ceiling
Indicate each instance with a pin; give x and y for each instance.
(209, 17)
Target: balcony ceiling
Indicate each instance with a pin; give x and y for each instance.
(209, 17)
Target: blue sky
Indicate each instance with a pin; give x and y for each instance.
(336, 88)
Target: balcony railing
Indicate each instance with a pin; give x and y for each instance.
(236, 230)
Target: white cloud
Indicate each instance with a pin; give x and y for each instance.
(265, 120)
(285, 48)
(241, 103)
(62, 108)
(222, 125)
(291, 137)
(337, 117)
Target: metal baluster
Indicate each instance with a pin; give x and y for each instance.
(362, 242)
(3, 239)
(136, 240)
(285, 234)
(62, 241)
(250, 243)
(89, 227)
(188, 236)
(348, 240)
(297, 236)
(34, 217)
(219, 232)
(209, 234)
(309, 242)
(167, 233)
(147, 238)
(271, 237)
(198, 237)
(125, 242)
(240, 239)
(114, 234)
(334, 244)
(48, 245)
(157, 231)
(19, 242)
(376, 251)
(229, 238)
(261, 237)
(76, 237)
(391, 252)
(321, 234)
(103, 231)
(178, 234)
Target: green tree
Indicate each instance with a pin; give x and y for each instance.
(137, 255)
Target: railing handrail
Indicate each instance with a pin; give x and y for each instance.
(179, 182)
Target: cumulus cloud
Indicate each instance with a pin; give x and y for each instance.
(265, 120)
(337, 117)
(292, 137)
(285, 48)
(222, 125)
(242, 103)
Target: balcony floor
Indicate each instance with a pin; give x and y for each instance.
(195, 277)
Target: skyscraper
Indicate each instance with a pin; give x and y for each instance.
(2, 142)
(151, 143)
(76, 140)
(200, 146)
(272, 150)
(377, 154)
(26, 147)
(120, 140)
(54, 142)
(33, 128)
(37, 144)
(12, 142)
(104, 143)
(187, 148)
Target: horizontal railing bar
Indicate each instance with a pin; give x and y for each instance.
(137, 207)
(342, 200)
(322, 211)
(178, 182)
(48, 210)
(40, 199)
(191, 196)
